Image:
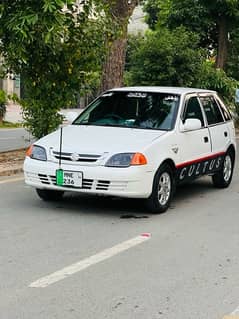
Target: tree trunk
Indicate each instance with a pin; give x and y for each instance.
(114, 65)
(222, 43)
(113, 68)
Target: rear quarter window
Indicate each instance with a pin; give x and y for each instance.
(224, 110)
(211, 109)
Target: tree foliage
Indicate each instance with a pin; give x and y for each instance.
(217, 79)
(57, 52)
(216, 25)
(157, 12)
(213, 21)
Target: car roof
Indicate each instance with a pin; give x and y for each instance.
(162, 89)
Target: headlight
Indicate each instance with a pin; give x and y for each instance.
(126, 160)
(37, 152)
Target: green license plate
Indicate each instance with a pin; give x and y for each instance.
(69, 178)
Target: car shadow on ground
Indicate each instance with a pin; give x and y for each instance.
(195, 189)
(75, 203)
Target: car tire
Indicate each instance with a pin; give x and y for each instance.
(222, 178)
(49, 195)
(162, 191)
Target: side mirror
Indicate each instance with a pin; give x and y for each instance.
(191, 125)
(71, 116)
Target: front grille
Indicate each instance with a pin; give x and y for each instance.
(102, 185)
(90, 184)
(45, 179)
(90, 158)
(86, 183)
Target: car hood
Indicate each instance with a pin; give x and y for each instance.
(99, 139)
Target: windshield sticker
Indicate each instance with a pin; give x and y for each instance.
(137, 95)
(107, 94)
(171, 98)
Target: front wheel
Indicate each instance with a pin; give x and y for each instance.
(49, 195)
(222, 178)
(163, 189)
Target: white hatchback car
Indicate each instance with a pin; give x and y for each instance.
(137, 142)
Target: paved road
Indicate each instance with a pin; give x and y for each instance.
(11, 139)
(188, 269)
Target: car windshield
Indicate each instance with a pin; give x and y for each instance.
(143, 110)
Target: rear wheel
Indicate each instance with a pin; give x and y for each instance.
(222, 179)
(49, 195)
(163, 189)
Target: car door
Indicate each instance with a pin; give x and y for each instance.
(194, 145)
(218, 128)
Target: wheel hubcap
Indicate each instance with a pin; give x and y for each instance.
(227, 169)
(164, 189)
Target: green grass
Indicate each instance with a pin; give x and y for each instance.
(6, 124)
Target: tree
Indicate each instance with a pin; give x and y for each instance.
(116, 41)
(226, 16)
(56, 51)
(194, 16)
(214, 21)
(233, 55)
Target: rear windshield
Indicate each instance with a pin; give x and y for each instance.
(141, 110)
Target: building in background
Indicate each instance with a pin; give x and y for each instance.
(137, 22)
(10, 83)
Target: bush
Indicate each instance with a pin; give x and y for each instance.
(164, 57)
(40, 119)
(3, 101)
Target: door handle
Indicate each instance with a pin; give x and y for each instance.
(225, 134)
(206, 139)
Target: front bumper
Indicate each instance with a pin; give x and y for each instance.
(132, 182)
